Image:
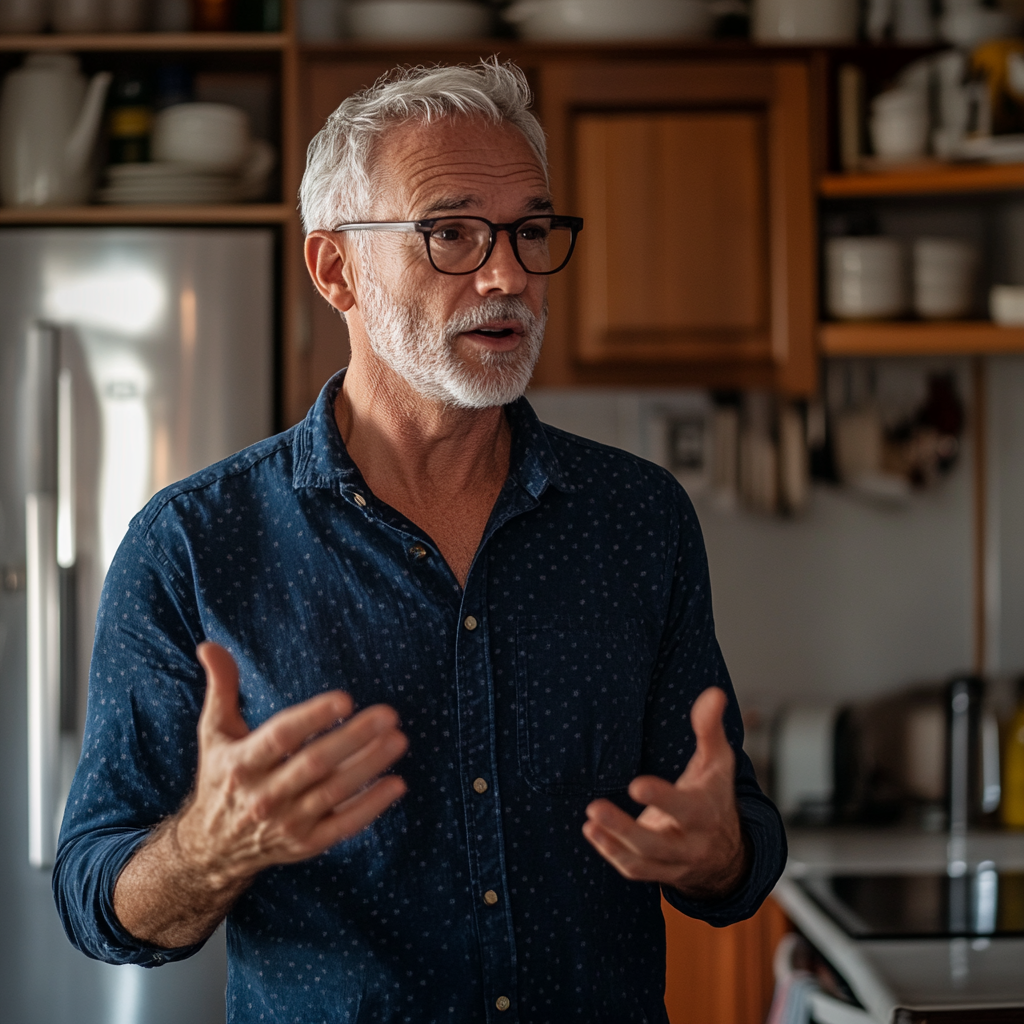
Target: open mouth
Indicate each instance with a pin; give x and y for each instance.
(488, 332)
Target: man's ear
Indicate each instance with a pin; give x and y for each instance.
(330, 264)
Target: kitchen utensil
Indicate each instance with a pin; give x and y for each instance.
(49, 121)
(944, 272)
(1006, 304)
(24, 15)
(610, 19)
(805, 21)
(866, 278)
(966, 23)
(79, 15)
(418, 19)
(212, 136)
(900, 124)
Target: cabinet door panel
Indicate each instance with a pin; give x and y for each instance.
(675, 245)
(696, 264)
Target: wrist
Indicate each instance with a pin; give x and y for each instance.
(727, 879)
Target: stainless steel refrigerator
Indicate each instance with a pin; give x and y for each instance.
(129, 357)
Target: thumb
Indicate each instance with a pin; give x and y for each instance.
(706, 719)
(221, 715)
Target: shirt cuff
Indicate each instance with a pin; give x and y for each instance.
(763, 827)
(83, 887)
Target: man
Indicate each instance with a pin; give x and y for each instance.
(522, 615)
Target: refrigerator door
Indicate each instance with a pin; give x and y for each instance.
(128, 358)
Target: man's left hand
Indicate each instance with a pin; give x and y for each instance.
(688, 835)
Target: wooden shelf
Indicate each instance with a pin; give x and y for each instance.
(962, 337)
(235, 213)
(925, 179)
(146, 41)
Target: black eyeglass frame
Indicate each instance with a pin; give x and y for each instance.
(424, 227)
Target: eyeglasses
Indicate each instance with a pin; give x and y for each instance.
(462, 245)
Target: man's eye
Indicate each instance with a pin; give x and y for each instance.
(447, 235)
(532, 233)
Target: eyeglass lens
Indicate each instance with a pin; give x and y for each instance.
(459, 245)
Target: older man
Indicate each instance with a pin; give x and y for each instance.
(523, 615)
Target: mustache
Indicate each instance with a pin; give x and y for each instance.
(506, 308)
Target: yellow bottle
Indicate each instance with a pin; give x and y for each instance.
(1012, 803)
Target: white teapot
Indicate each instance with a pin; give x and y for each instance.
(49, 122)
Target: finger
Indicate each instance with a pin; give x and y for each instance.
(671, 799)
(706, 719)
(289, 730)
(620, 856)
(220, 714)
(630, 836)
(356, 813)
(358, 751)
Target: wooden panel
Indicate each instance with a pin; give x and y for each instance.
(721, 975)
(920, 339)
(676, 225)
(738, 308)
(925, 179)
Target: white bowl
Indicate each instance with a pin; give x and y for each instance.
(214, 136)
(865, 278)
(1006, 302)
(610, 19)
(418, 20)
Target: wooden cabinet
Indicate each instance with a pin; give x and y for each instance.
(721, 975)
(696, 262)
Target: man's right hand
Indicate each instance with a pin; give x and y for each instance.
(283, 792)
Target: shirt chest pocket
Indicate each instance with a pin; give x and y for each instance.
(580, 695)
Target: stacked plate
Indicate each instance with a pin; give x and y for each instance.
(167, 183)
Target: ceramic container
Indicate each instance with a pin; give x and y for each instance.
(944, 276)
(805, 21)
(610, 19)
(865, 278)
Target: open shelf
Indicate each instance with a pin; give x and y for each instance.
(924, 179)
(957, 337)
(234, 213)
(146, 41)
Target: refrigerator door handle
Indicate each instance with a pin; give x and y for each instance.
(42, 592)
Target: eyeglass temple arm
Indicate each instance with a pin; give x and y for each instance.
(381, 225)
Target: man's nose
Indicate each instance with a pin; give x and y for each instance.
(502, 272)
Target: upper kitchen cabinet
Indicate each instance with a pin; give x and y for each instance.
(696, 263)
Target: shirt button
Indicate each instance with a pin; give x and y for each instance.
(502, 1002)
(359, 500)
(490, 897)
(470, 623)
(480, 785)
(418, 551)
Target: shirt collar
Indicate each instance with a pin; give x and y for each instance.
(323, 462)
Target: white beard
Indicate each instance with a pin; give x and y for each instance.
(425, 356)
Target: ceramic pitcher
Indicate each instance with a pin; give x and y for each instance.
(49, 122)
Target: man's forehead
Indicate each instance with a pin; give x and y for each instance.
(456, 163)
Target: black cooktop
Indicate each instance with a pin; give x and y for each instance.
(984, 902)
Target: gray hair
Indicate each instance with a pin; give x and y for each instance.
(338, 184)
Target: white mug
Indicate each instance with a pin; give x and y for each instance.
(865, 278)
(944, 273)
(805, 21)
(900, 124)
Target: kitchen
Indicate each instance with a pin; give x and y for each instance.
(854, 593)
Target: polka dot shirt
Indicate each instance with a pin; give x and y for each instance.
(566, 667)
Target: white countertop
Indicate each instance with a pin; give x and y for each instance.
(910, 973)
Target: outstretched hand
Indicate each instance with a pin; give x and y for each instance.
(688, 836)
(280, 793)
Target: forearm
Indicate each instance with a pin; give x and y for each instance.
(163, 898)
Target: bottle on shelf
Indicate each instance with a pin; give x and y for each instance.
(1012, 808)
(129, 119)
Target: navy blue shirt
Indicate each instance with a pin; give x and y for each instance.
(566, 667)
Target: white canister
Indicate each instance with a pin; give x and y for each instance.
(944, 275)
(805, 21)
(865, 278)
(900, 124)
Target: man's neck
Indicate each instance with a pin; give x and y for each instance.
(441, 467)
